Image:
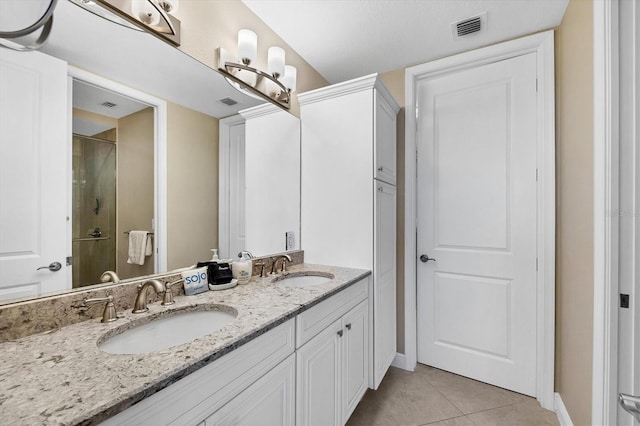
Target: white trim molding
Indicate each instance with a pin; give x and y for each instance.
(160, 154)
(542, 45)
(224, 173)
(561, 411)
(605, 198)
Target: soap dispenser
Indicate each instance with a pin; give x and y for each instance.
(242, 268)
(214, 256)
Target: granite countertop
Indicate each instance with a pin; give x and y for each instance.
(61, 377)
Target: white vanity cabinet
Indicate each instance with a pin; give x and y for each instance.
(270, 401)
(348, 201)
(200, 394)
(332, 367)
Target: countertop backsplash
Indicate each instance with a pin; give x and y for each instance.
(49, 313)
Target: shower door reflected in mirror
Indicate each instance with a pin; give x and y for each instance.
(94, 207)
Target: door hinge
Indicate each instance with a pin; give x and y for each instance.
(536, 263)
(69, 260)
(536, 175)
(536, 84)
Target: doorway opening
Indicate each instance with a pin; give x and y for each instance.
(117, 179)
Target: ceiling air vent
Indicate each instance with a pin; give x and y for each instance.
(469, 26)
(228, 101)
(108, 104)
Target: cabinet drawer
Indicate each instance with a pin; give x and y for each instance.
(193, 398)
(314, 320)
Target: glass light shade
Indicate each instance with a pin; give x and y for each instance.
(170, 6)
(144, 11)
(275, 61)
(247, 46)
(290, 77)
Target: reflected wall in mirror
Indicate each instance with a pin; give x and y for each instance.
(185, 169)
(260, 182)
(113, 170)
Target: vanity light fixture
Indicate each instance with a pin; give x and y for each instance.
(155, 16)
(276, 85)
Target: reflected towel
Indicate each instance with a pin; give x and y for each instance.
(140, 245)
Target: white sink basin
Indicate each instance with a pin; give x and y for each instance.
(303, 279)
(163, 333)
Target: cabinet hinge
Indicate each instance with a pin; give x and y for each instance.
(536, 84)
(536, 175)
(536, 263)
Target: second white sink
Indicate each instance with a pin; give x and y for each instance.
(164, 333)
(303, 279)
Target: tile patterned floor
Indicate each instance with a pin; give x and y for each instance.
(435, 397)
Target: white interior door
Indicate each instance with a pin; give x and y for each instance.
(477, 223)
(237, 192)
(628, 333)
(33, 174)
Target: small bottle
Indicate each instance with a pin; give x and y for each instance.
(214, 257)
(242, 268)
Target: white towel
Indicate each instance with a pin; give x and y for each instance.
(140, 245)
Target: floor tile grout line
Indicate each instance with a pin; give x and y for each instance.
(454, 404)
(449, 418)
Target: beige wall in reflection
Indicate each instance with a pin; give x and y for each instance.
(135, 187)
(192, 186)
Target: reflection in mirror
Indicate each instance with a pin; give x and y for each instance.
(196, 98)
(108, 130)
(260, 204)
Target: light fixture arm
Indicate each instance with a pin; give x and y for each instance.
(277, 93)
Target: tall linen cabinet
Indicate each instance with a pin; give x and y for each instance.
(348, 201)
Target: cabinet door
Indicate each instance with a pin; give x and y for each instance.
(355, 358)
(384, 281)
(318, 379)
(270, 401)
(385, 142)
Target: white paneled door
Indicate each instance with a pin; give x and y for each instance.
(476, 221)
(33, 174)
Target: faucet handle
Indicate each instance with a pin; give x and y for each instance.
(167, 298)
(109, 313)
(262, 265)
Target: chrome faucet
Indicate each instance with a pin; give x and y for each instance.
(285, 258)
(140, 304)
(109, 276)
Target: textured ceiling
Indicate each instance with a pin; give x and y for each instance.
(344, 39)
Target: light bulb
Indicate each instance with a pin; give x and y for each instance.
(145, 12)
(290, 77)
(247, 46)
(275, 61)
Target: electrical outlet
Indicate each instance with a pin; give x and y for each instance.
(290, 238)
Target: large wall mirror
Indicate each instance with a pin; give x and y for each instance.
(132, 165)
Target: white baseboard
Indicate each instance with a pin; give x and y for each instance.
(400, 361)
(561, 411)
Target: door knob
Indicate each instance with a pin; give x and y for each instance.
(53, 267)
(424, 258)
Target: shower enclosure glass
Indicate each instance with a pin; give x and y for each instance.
(94, 209)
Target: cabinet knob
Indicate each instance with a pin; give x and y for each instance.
(348, 326)
(380, 168)
(340, 332)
